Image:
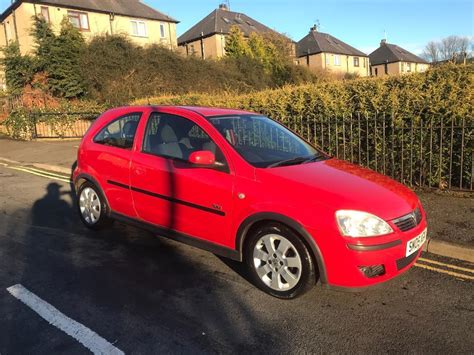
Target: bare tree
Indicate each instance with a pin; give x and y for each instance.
(452, 48)
(431, 52)
(448, 48)
(463, 48)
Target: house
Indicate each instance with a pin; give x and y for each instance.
(390, 59)
(321, 51)
(141, 23)
(207, 38)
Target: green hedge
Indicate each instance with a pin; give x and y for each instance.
(407, 111)
(446, 90)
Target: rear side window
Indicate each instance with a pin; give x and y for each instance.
(119, 133)
(176, 137)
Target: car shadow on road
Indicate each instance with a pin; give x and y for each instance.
(149, 293)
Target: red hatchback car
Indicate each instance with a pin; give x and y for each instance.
(243, 186)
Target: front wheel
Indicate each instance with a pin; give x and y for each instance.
(280, 262)
(92, 207)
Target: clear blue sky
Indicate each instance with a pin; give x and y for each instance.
(361, 23)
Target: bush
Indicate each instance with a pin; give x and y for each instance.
(55, 59)
(19, 69)
(20, 121)
(64, 72)
(117, 71)
(113, 70)
(19, 124)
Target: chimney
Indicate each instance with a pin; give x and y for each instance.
(314, 28)
(223, 7)
(383, 42)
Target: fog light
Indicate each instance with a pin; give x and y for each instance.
(372, 271)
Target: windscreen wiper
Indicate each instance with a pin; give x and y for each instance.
(315, 158)
(292, 161)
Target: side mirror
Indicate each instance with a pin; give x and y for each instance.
(202, 158)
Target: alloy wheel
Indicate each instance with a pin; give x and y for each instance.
(90, 206)
(277, 262)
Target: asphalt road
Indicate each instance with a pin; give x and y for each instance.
(145, 294)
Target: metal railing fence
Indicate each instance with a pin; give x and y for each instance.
(429, 152)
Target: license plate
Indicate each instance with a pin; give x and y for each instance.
(416, 243)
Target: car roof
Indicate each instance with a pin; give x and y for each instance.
(203, 111)
(214, 111)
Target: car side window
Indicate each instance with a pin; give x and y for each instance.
(119, 133)
(177, 137)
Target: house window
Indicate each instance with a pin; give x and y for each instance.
(162, 30)
(79, 20)
(328, 59)
(139, 28)
(401, 67)
(337, 59)
(408, 67)
(45, 13)
(376, 72)
(356, 61)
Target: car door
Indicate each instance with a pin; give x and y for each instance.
(111, 152)
(172, 193)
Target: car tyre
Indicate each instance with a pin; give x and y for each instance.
(279, 261)
(92, 207)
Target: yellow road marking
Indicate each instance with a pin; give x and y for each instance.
(447, 265)
(63, 176)
(34, 170)
(452, 273)
(39, 174)
(42, 174)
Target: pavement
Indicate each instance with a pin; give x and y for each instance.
(65, 289)
(450, 216)
(56, 155)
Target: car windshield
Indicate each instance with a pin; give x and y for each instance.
(263, 142)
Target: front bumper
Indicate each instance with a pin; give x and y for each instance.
(345, 260)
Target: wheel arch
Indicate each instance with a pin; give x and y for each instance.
(83, 178)
(266, 217)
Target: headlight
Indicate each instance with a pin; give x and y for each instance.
(361, 224)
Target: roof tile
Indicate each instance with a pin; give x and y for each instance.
(389, 53)
(132, 8)
(318, 42)
(221, 21)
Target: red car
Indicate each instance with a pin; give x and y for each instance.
(243, 186)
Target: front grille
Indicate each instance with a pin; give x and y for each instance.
(404, 262)
(409, 221)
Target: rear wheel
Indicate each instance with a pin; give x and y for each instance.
(280, 262)
(92, 207)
